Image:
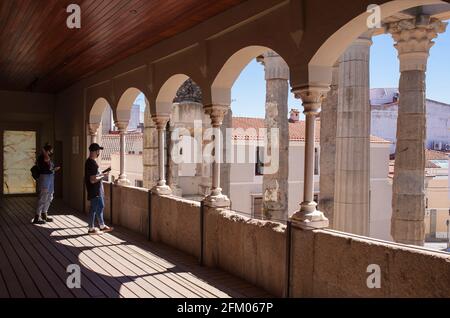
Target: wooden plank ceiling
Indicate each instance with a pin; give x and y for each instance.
(39, 53)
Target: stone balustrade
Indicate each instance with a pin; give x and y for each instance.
(322, 263)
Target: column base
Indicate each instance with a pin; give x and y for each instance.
(123, 182)
(309, 218)
(161, 190)
(176, 190)
(217, 201)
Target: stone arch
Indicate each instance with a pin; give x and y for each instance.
(96, 112)
(230, 71)
(166, 94)
(321, 64)
(123, 109)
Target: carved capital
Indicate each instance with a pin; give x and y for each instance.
(414, 38)
(121, 125)
(312, 98)
(216, 113)
(161, 121)
(93, 129)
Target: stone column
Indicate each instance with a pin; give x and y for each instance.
(150, 155)
(161, 122)
(216, 198)
(172, 166)
(328, 124)
(352, 183)
(309, 217)
(122, 126)
(225, 166)
(275, 183)
(93, 132)
(413, 39)
(203, 168)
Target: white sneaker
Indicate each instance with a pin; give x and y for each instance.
(94, 231)
(106, 228)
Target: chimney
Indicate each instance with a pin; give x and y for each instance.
(294, 115)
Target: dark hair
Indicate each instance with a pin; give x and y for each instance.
(48, 147)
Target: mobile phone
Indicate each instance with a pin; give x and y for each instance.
(106, 170)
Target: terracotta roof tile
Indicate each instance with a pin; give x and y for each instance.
(435, 155)
(134, 143)
(296, 130)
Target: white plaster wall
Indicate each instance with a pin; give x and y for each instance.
(380, 209)
(134, 167)
(244, 183)
(380, 193)
(384, 123)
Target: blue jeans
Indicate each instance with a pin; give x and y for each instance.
(45, 199)
(96, 210)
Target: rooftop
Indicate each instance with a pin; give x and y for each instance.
(296, 130)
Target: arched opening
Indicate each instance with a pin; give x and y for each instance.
(101, 124)
(130, 115)
(181, 101)
(365, 124)
(255, 83)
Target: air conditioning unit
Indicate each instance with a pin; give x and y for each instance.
(437, 145)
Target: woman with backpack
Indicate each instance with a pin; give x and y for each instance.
(46, 184)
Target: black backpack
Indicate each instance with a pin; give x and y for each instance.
(35, 172)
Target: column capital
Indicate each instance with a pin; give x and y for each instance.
(93, 128)
(217, 113)
(161, 121)
(414, 38)
(312, 97)
(364, 39)
(121, 125)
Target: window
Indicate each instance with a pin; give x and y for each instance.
(259, 165)
(316, 198)
(139, 183)
(257, 212)
(316, 161)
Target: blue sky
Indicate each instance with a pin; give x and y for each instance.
(248, 92)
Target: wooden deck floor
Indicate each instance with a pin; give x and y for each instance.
(34, 259)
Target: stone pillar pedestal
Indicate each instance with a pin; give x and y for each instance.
(172, 166)
(413, 39)
(309, 218)
(122, 126)
(225, 166)
(276, 173)
(150, 155)
(352, 183)
(203, 168)
(161, 187)
(217, 198)
(328, 124)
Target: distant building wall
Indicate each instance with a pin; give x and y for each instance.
(384, 123)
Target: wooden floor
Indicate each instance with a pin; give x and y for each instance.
(34, 260)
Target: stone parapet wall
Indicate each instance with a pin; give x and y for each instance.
(129, 209)
(176, 222)
(251, 249)
(328, 263)
(323, 263)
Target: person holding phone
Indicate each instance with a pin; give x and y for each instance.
(95, 192)
(46, 184)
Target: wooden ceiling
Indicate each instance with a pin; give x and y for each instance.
(39, 53)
